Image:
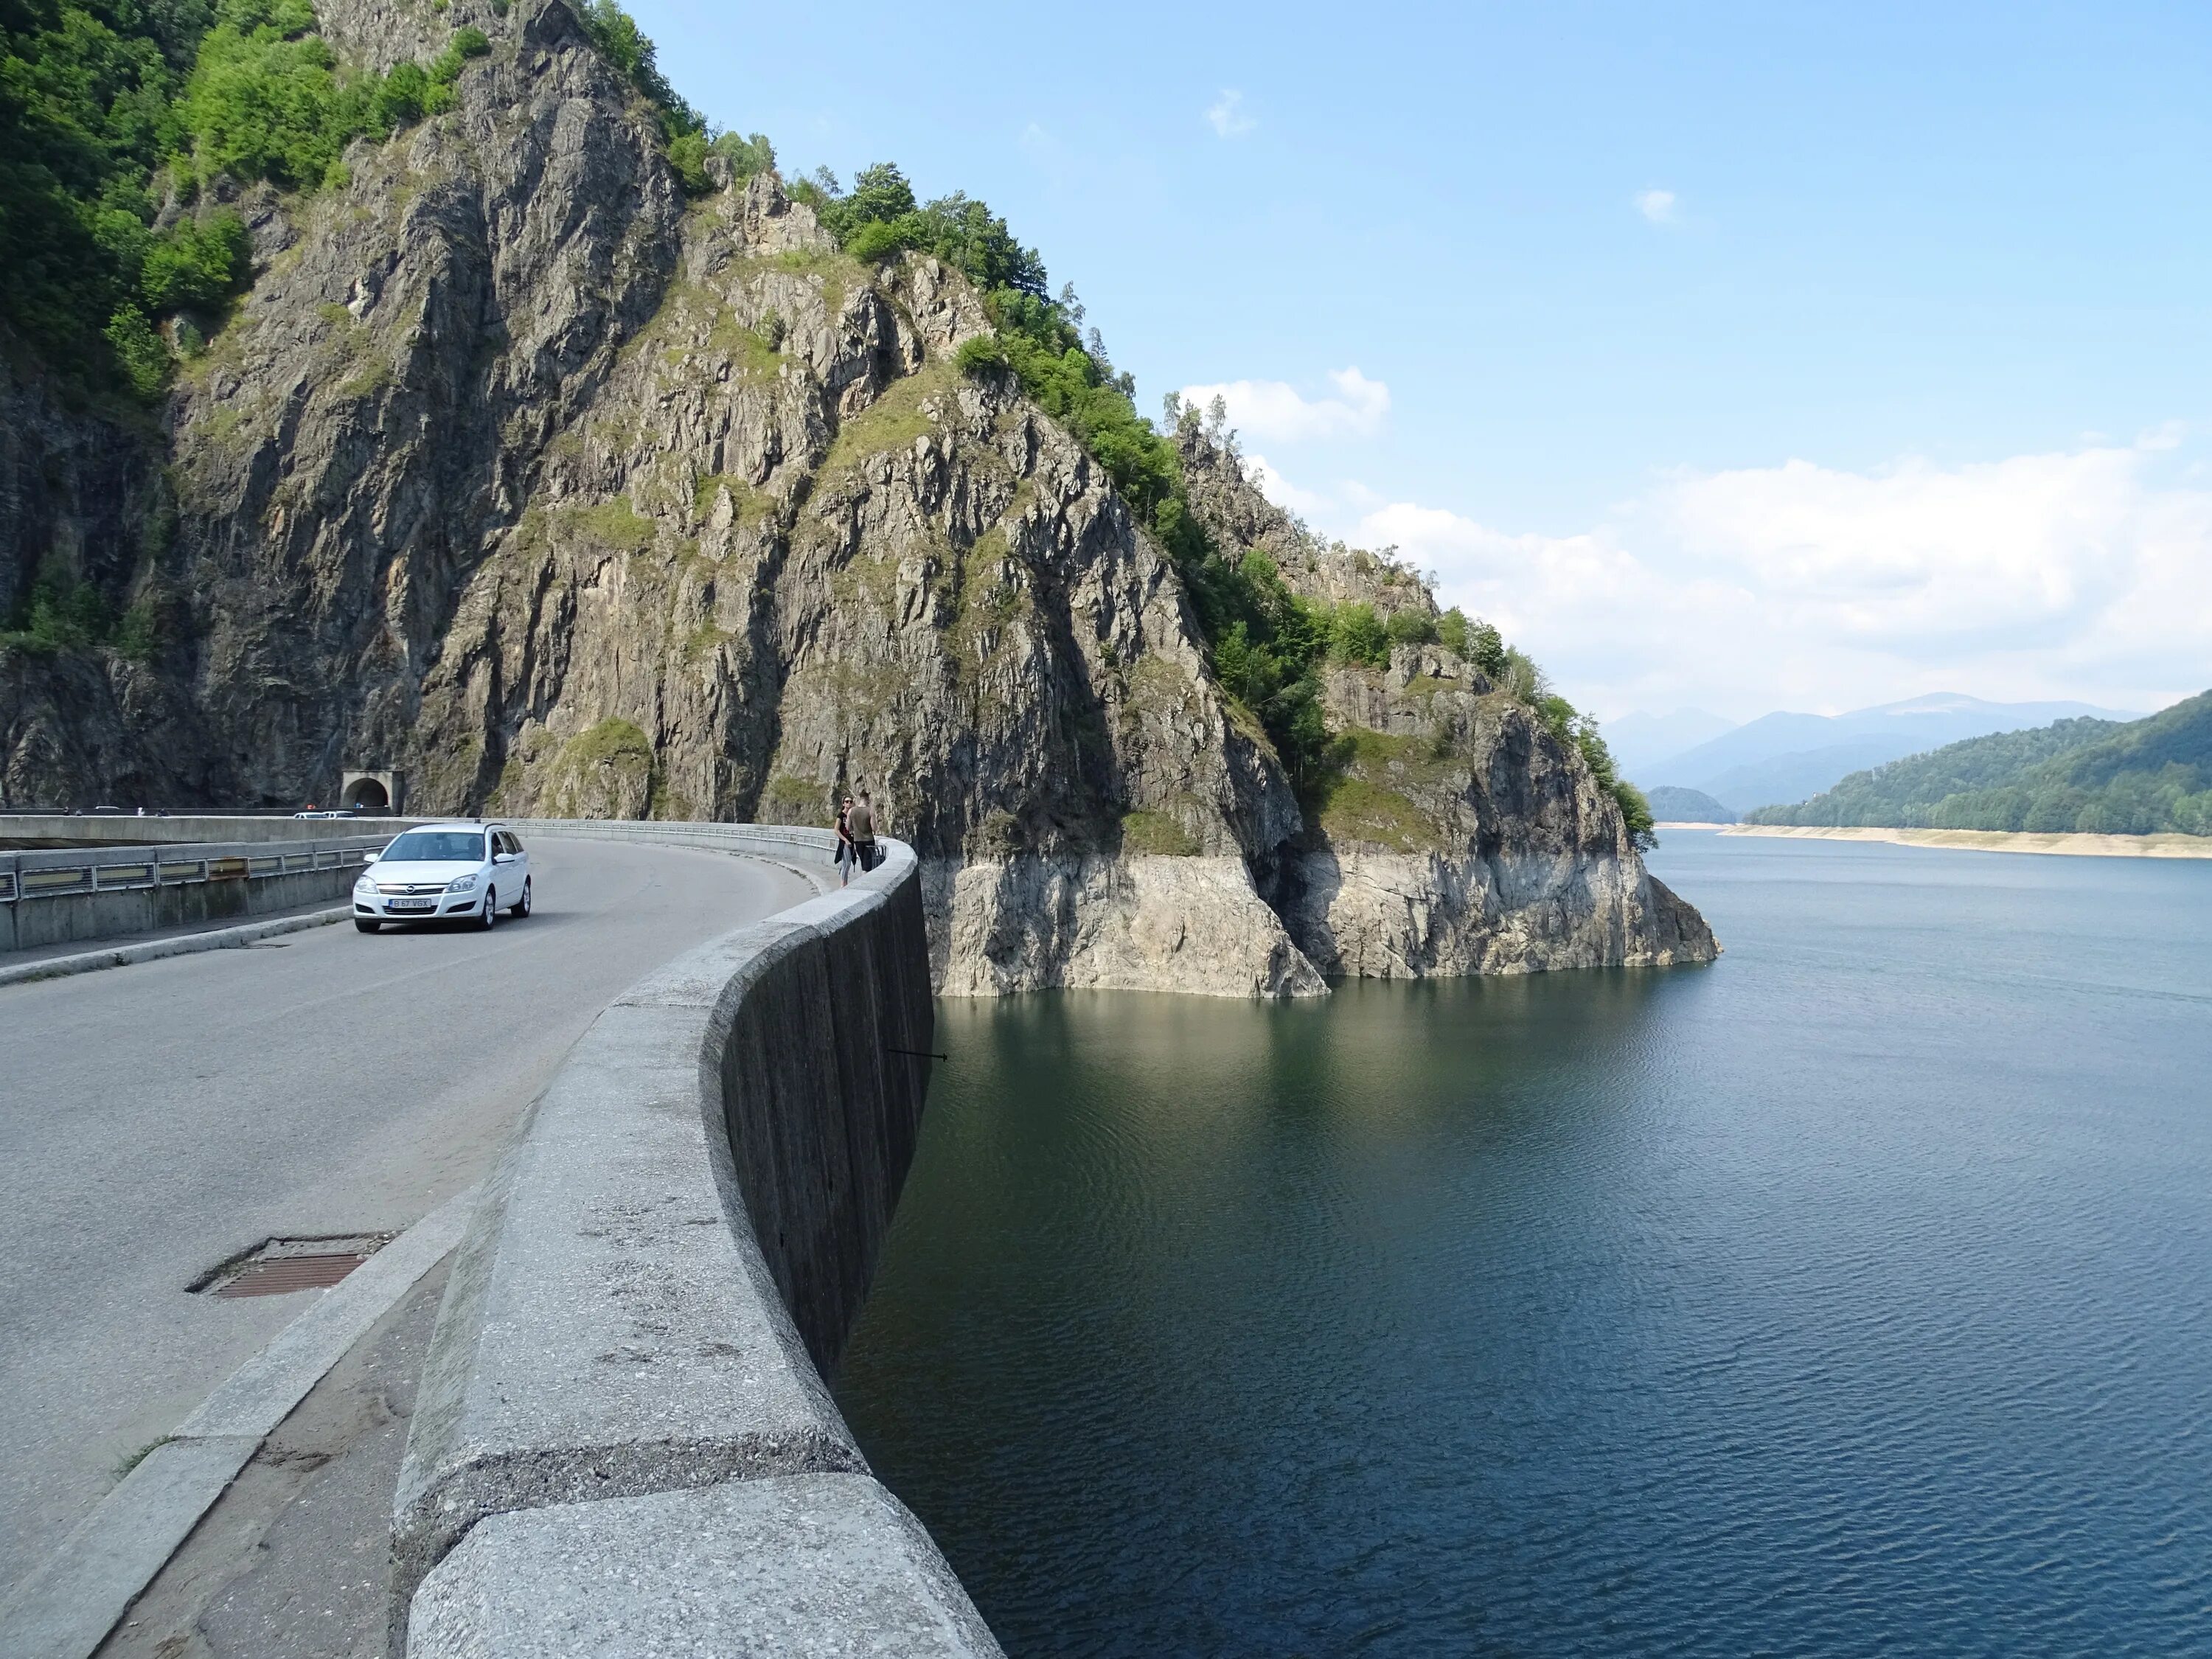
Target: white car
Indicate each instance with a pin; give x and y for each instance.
(441, 870)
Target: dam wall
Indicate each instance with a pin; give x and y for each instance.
(624, 1441)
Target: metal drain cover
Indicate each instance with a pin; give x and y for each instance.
(277, 1266)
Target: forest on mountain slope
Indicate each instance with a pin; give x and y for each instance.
(2099, 777)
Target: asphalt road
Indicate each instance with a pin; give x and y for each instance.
(157, 1120)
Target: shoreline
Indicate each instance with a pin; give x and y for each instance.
(2072, 844)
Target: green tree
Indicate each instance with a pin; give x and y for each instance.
(626, 47)
(1412, 627)
(197, 264)
(1358, 635)
(143, 359)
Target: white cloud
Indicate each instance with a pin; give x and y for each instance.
(1228, 117)
(1659, 206)
(1274, 411)
(2085, 573)
(1280, 490)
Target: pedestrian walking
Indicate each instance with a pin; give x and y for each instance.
(847, 858)
(860, 825)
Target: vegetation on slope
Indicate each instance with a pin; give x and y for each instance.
(1268, 643)
(112, 110)
(1672, 803)
(2101, 777)
(692, 141)
(109, 108)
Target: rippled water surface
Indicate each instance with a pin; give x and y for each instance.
(1847, 1298)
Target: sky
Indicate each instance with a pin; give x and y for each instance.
(1740, 357)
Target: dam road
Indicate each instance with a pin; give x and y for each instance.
(160, 1119)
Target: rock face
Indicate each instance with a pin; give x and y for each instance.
(1463, 838)
(1459, 835)
(521, 474)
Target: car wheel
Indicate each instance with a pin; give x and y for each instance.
(520, 907)
(489, 919)
(367, 926)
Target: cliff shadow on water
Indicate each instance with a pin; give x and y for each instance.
(1174, 1280)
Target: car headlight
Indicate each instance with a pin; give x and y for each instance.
(462, 884)
(366, 885)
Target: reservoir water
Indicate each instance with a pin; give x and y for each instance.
(1853, 1295)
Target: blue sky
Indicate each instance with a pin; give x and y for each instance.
(1745, 357)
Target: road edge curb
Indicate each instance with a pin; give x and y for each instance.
(65, 1607)
(185, 945)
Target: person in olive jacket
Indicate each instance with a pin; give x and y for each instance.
(860, 825)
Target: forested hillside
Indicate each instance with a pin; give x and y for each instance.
(2147, 777)
(117, 119)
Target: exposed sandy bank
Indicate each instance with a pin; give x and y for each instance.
(2001, 840)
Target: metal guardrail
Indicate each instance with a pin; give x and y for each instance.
(113, 813)
(62, 872)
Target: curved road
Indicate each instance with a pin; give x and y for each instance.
(157, 1120)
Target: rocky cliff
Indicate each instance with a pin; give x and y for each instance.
(520, 474)
(1455, 832)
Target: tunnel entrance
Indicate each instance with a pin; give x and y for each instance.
(366, 792)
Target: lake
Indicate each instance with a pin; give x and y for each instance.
(1848, 1297)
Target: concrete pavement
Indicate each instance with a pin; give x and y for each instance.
(158, 1119)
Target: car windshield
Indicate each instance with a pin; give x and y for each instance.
(429, 846)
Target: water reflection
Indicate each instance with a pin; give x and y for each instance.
(1846, 1297)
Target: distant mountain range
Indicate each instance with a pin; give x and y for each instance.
(1784, 757)
(1637, 740)
(2147, 777)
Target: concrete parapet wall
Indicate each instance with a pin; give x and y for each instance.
(97, 891)
(623, 1441)
(806, 1563)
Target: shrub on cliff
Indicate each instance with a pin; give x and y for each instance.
(1356, 634)
(1411, 627)
(198, 264)
(625, 46)
(61, 613)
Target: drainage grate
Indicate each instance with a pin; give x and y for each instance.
(276, 1266)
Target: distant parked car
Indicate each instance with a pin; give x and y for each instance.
(441, 872)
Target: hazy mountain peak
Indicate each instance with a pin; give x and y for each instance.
(1791, 758)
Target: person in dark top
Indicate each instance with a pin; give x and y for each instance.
(846, 857)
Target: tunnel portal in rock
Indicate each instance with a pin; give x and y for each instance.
(368, 792)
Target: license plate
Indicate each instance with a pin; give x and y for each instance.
(411, 904)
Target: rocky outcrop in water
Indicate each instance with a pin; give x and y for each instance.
(520, 474)
(1458, 833)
